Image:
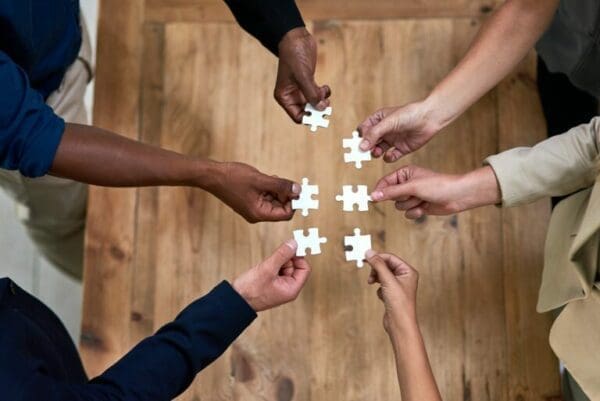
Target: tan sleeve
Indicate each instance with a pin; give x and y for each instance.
(557, 166)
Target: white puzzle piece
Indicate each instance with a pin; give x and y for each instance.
(355, 155)
(360, 197)
(312, 241)
(305, 200)
(360, 245)
(316, 118)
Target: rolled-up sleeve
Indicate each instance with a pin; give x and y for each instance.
(30, 132)
(557, 166)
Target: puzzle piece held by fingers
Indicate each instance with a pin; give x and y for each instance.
(316, 118)
(305, 200)
(311, 241)
(360, 197)
(355, 155)
(360, 245)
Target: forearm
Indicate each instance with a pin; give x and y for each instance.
(415, 376)
(99, 157)
(502, 42)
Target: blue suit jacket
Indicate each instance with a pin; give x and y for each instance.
(38, 360)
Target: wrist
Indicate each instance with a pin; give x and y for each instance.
(436, 111)
(480, 188)
(403, 327)
(209, 174)
(293, 35)
(242, 289)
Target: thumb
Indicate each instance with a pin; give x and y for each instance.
(280, 187)
(372, 135)
(283, 254)
(400, 191)
(311, 91)
(384, 273)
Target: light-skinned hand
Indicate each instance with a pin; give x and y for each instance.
(275, 281)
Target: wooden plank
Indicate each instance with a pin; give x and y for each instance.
(524, 230)
(109, 247)
(319, 10)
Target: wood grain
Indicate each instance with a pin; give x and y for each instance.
(319, 10)
(111, 220)
(206, 89)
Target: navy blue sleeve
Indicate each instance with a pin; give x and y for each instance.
(29, 130)
(162, 366)
(267, 20)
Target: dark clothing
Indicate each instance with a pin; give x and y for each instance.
(40, 39)
(38, 360)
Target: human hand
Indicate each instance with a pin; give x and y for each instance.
(418, 191)
(276, 281)
(254, 195)
(295, 85)
(394, 132)
(398, 289)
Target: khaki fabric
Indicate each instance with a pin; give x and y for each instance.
(53, 209)
(559, 166)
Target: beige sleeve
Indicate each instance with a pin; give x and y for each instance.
(557, 166)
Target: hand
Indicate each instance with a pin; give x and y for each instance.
(398, 289)
(418, 191)
(296, 84)
(397, 131)
(254, 195)
(276, 281)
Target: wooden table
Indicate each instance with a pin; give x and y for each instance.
(181, 75)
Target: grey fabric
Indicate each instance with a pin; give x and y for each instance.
(570, 389)
(571, 44)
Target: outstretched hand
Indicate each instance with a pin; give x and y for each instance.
(394, 132)
(398, 289)
(276, 281)
(296, 84)
(418, 191)
(254, 195)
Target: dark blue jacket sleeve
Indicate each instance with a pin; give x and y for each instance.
(161, 366)
(29, 130)
(267, 20)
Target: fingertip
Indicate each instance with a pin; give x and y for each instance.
(365, 145)
(292, 244)
(370, 253)
(296, 188)
(377, 196)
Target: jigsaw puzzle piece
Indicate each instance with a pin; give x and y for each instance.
(360, 197)
(355, 155)
(305, 200)
(360, 245)
(316, 118)
(311, 241)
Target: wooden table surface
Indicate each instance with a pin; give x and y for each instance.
(181, 75)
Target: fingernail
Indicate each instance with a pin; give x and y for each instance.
(364, 145)
(296, 189)
(321, 105)
(292, 243)
(370, 253)
(377, 195)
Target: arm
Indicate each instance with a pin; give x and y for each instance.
(36, 141)
(502, 42)
(162, 366)
(398, 292)
(557, 166)
(278, 25)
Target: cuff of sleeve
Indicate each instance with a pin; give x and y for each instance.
(42, 148)
(507, 176)
(234, 305)
(281, 23)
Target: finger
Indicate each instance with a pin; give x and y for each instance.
(392, 155)
(372, 136)
(384, 274)
(396, 265)
(372, 277)
(407, 204)
(380, 294)
(396, 177)
(295, 111)
(292, 101)
(380, 149)
(281, 256)
(400, 192)
(301, 271)
(415, 213)
(311, 91)
(280, 188)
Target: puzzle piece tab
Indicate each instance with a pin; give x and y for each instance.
(316, 118)
(360, 197)
(360, 245)
(355, 155)
(312, 241)
(305, 200)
